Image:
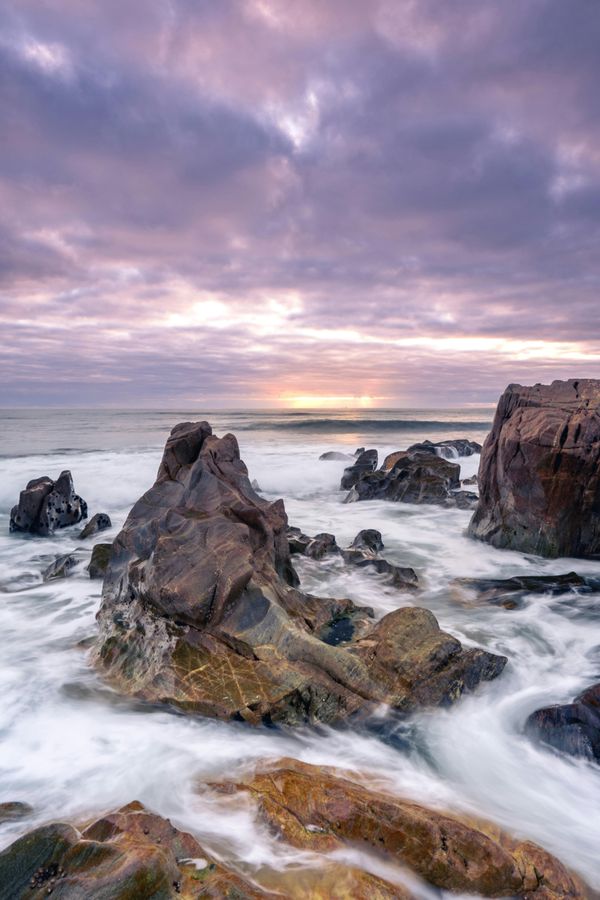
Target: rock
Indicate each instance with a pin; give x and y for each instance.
(128, 854)
(320, 545)
(46, 505)
(450, 449)
(368, 539)
(366, 462)
(317, 809)
(199, 609)
(15, 809)
(539, 474)
(469, 481)
(335, 455)
(60, 568)
(99, 561)
(402, 577)
(530, 584)
(414, 478)
(359, 451)
(99, 522)
(462, 499)
(572, 728)
(256, 486)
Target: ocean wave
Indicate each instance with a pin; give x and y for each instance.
(344, 425)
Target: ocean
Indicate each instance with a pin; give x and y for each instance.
(73, 748)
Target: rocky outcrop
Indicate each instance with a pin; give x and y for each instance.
(366, 462)
(200, 609)
(128, 854)
(539, 475)
(99, 522)
(508, 591)
(99, 560)
(335, 455)
(414, 477)
(46, 505)
(572, 728)
(450, 449)
(60, 568)
(318, 809)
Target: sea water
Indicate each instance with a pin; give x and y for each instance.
(73, 748)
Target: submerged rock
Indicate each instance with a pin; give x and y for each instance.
(317, 809)
(60, 568)
(199, 609)
(46, 505)
(509, 591)
(12, 810)
(99, 522)
(539, 475)
(365, 462)
(130, 854)
(335, 455)
(99, 561)
(572, 728)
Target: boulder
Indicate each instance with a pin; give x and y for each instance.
(128, 854)
(11, 810)
(572, 728)
(462, 499)
(418, 477)
(199, 609)
(60, 568)
(450, 449)
(469, 481)
(99, 560)
(335, 455)
(369, 539)
(46, 505)
(99, 522)
(508, 592)
(366, 462)
(539, 475)
(319, 809)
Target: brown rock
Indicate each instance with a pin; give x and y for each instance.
(315, 808)
(539, 475)
(415, 477)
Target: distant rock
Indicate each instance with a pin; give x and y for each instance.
(573, 728)
(46, 505)
(99, 561)
(256, 486)
(200, 610)
(99, 522)
(366, 462)
(539, 475)
(60, 568)
(324, 811)
(335, 455)
(450, 449)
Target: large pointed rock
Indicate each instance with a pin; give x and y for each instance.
(539, 477)
(200, 608)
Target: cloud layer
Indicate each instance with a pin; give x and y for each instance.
(250, 201)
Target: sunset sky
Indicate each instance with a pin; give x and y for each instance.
(297, 202)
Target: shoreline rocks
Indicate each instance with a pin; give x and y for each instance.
(539, 474)
(412, 477)
(98, 522)
(366, 462)
(200, 609)
(572, 728)
(46, 505)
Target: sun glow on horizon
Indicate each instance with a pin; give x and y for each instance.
(316, 401)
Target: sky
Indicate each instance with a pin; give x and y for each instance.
(297, 203)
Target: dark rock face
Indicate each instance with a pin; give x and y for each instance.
(199, 608)
(46, 505)
(573, 728)
(128, 854)
(418, 477)
(60, 568)
(450, 449)
(365, 462)
(14, 809)
(368, 539)
(99, 561)
(99, 522)
(508, 592)
(539, 475)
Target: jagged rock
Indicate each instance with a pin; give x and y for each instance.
(399, 576)
(414, 478)
(508, 592)
(60, 568)
(15, 809)
(335, 455)
(128, 854)
(256, 486)
(462, 499)
(366, 462)
(469, 481)
(199, 609)
(450, 449)
(99, 522)
(46, 505)
(320, 545)
(99, 561)
(359, 451)
(317, 809)
(572, 728)
(539, 474)
(368, 539)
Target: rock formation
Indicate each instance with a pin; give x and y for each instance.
(572, 728)
(99, 560)
(99, 522)
(539, 475)
(449, 449)
(200, 609)
(46, 505)
(410, 477)
(365, 462)
(317, 809)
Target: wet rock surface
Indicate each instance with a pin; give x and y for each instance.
(366, 461)
(130, 854)
(539, 475)
(572, 728)
(449, 449)
(98, 522)
(99, 560)
(46, 505)
(14, 809)
(413, 477)
(316, 808)
(200, 609)
(60, 568)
